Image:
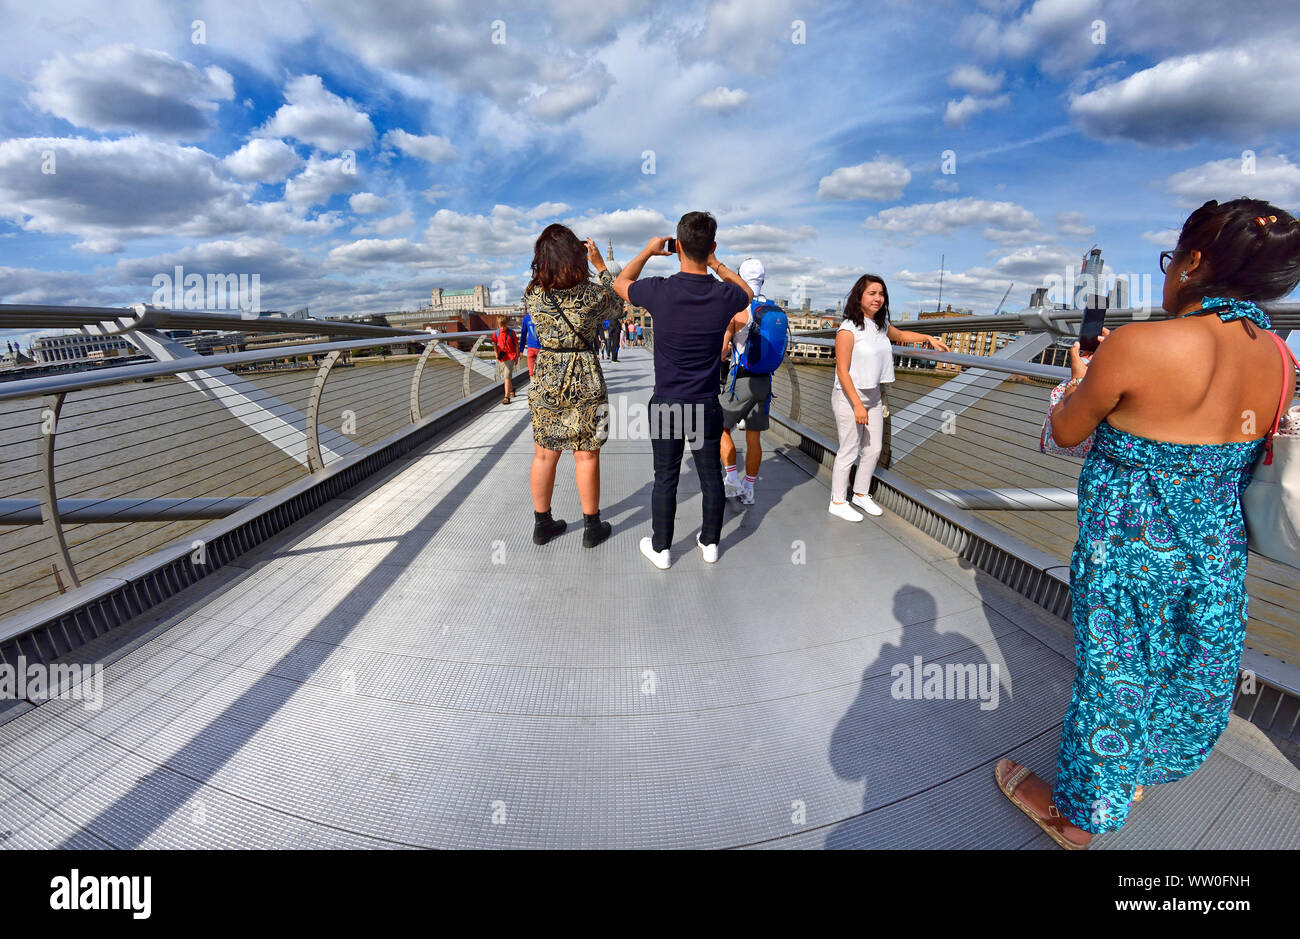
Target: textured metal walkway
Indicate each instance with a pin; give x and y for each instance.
(405, 668)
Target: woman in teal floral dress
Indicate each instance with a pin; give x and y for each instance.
(567, 396)
(1180, 410)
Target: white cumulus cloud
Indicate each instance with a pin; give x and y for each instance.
(975, 80)
(320, 180)
(957, 113)
(881, 179)
(1271, 177)
(938, 218)
(317, 116)
(1241, 93)
(122, 87)
(367, 203)
(722, 99)
(263, 159)
(429, 147)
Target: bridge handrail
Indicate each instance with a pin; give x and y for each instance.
(99, 377)
(1285, 316)
(992, 363)
(116, 320)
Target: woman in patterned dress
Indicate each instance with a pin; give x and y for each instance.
(1158, 571)
(567, 397)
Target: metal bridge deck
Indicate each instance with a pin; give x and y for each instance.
(404, 668)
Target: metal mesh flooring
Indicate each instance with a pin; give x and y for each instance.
(406, 669)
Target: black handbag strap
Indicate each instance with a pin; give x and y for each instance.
(567, 322)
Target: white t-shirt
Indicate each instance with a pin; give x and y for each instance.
(873, 354)
(742, 334)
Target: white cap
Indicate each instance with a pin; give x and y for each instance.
(753, 273)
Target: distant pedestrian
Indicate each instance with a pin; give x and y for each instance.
(531, 344)
(613, 336)
(506, 344)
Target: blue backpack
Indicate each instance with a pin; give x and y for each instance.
(769, 333)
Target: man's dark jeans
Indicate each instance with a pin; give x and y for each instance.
(672, 421)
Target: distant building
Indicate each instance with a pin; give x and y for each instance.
(476, 298)
(77, 348)
(1058, 353)
(983, 342)
(211, 343)
(1118, 298)
(1091, 285)
(14, 357)
(812, 323)
(632, 314)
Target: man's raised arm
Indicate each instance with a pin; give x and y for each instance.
(632, 270)
(729, 275)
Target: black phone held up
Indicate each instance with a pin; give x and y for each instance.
(1094, 318)
(671, 246)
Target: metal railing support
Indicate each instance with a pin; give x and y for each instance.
(795, 396)
(415, 380)
(469, 364)
(49, 429)
(314, 459)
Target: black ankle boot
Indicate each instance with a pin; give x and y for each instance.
(594, 530)
(544, 527)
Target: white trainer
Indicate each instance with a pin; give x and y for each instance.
(842, 510)
(658, 558)
(746, 495)
(710, 551)
(730, 488)
(866, 504)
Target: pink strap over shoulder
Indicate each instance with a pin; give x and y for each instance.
(1288, 384)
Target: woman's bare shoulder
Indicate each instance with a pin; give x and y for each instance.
(1159, 339)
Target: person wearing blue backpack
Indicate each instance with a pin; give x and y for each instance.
(532, 344)
(755, 342)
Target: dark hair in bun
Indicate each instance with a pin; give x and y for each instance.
(1249, 248)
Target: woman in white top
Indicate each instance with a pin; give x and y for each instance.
(864, 358)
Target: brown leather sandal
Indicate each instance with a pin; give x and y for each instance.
(1054, 826)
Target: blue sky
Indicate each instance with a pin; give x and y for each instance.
(355, 156)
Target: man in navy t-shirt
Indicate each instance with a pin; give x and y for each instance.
(691, 311)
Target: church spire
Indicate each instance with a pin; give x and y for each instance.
(610, 256)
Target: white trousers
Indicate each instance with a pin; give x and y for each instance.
(858, 442)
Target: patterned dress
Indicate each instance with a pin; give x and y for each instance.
(1158, 587)
(567, 397)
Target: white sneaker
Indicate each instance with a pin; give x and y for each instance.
(866, 504)
(658, 558)
(731, 486)
(746, 495)
(842, 510)
(710, 551)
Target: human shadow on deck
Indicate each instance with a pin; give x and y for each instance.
(153, 799)
(900, 746)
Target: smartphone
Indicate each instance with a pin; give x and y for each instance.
(671, 246)
(1094, 318)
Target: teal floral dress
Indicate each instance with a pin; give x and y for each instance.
(1159, 594)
